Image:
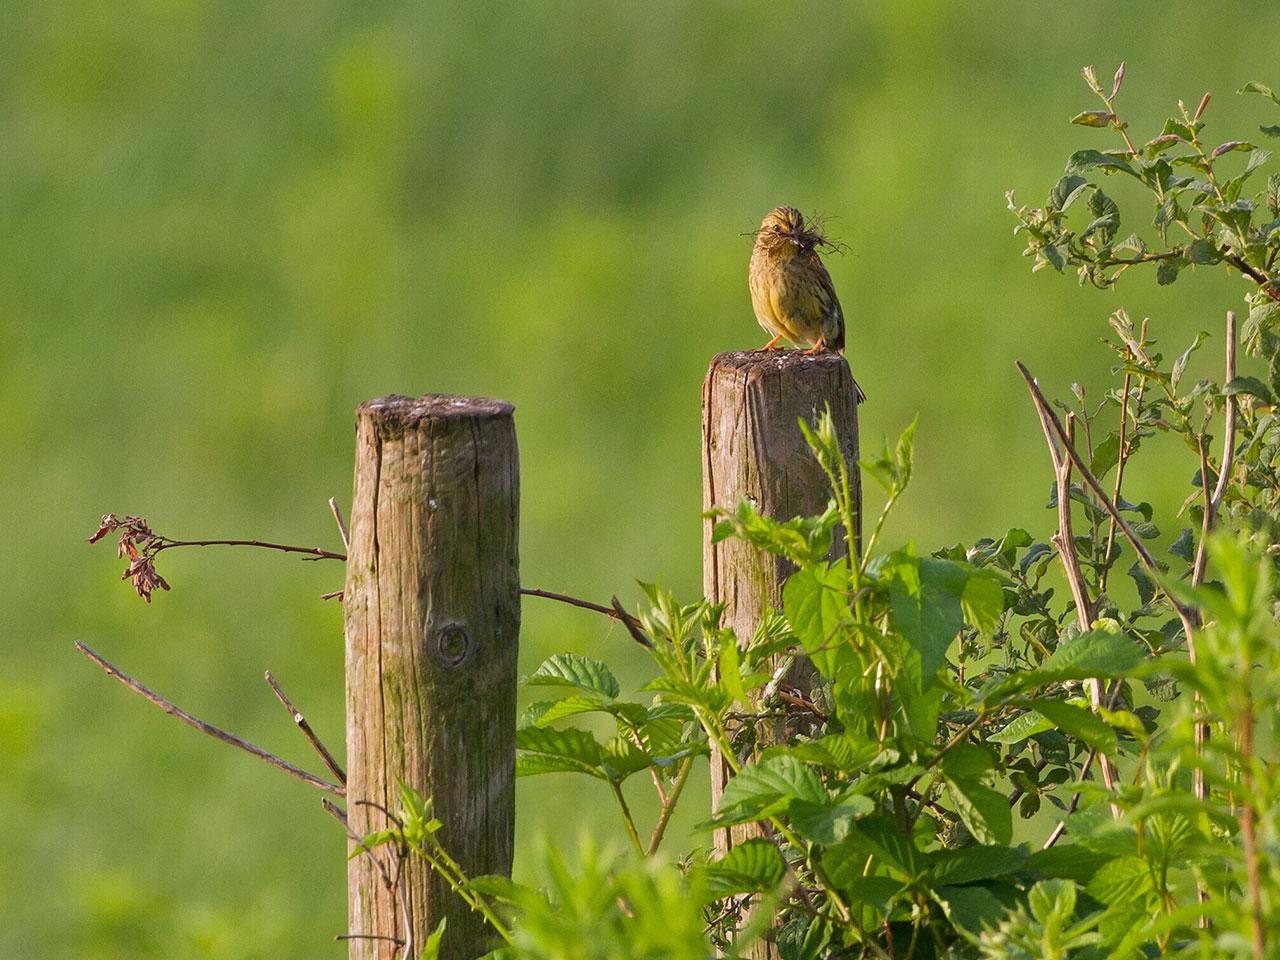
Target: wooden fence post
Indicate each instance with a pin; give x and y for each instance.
(432, 607)
(752, 447)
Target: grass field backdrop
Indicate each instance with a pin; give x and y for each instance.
(223, 225)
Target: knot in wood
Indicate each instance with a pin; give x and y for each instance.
(450, 645)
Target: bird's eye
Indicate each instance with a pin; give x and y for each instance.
(777, 228)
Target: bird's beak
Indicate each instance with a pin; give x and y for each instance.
(794, 237)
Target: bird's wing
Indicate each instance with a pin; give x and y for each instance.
(832, 315)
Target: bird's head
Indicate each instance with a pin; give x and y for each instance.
(782, 231)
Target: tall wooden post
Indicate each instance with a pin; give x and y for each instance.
(752, 447)
(432, 606)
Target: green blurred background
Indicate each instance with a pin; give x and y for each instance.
(223, 225)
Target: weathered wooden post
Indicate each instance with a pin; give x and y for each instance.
(752, 447)
(432, 606)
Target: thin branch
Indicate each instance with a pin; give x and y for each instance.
(209, 729)
(1066, 543)
(1148, 562)
(393, 887)
(334, 810)
(323, 751)
(615, 611)
(314, 553)
(626, 816)
(342, 524)
(668, 806)
(1228, 454)
(1122, 458)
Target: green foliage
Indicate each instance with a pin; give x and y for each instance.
(951, 689)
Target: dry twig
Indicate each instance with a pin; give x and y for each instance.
(215, 732)
(1214, 503)
(307, 732)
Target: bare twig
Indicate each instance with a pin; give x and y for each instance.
(1122, 458)
(1185, 615)
(209, 729)
(342, 524)
(668, 806)
(334, 810)
(615, 612)
(393, 886)
(313, 553)
(307, 732)
(1213, 503)
(1065, 541)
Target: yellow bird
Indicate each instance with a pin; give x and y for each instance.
(791, 290)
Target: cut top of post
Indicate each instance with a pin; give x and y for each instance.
(395, 413)
(779, 362)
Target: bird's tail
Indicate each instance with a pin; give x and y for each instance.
(859, 396)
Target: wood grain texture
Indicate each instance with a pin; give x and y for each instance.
(432, 609)
(752, 447)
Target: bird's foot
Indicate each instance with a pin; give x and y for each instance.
(772, 344)
(816, 348)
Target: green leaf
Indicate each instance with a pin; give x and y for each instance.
(801, 539)
(1251, 386)
(982, 601)
(1094, 118)
(1270, 129)
(678, 690)
(1097, 653)
(1261, 88)
(878, 837)
(621, 758)
(1180, 365)
(925, 598)
(1203, 251)
(983, 810)
(1106, 217)
(1077, 722)
(1052, 902)
(1167, 272)
(1125, 880)
(431, 948)
(560, 749)
(816, 604)
(1184, 546)
(767, 788)
(827, 823)
(532, 764)
(570, 669)
(972, 909)
(753, 866)
(1105, 455)
(1068, 861)
(731, 669)
(497, 887)
(1256, 159)
(968, 864)
(1083, 160)
(967, 761)
(1229, 146)
(839, 751)
(1066, 191)
(1020, 727)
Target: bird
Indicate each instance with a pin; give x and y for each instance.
(791, 290)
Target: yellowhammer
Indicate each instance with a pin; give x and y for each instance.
(791, 290)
